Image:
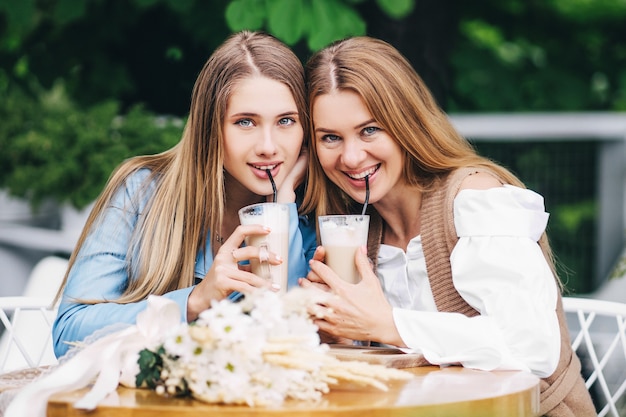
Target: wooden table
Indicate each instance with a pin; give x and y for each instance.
(452, 392)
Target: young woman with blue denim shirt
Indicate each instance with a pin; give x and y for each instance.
(168, 225)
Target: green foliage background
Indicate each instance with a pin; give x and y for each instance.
(82, 81)
(490, 55)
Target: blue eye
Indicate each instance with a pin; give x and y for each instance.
(244, 122)
(330, 138)
(287, 121)
(370, 130)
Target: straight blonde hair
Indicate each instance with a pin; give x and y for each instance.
(189, 198)
(397, 98)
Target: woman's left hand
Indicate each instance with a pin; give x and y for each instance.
(356, 311)
(295, 177)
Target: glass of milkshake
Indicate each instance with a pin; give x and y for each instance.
(341, 236)
(276, 217)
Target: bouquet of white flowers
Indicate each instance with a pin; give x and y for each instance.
(257, 352)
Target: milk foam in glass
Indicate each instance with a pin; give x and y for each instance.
(341, 236)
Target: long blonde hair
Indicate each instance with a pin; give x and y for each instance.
(401, 103)
(189, 198)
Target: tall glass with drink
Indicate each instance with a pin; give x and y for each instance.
(341, 236)
(276, 217)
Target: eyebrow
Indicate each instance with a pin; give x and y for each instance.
(248, 114)
(359, 126)
(289, 113)
(323, 130)
(367, 122)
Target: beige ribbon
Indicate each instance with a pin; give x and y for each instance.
(111, 359)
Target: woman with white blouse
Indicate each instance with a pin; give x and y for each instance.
(458, 266)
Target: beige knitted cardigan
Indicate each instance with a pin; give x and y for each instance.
(563, 394)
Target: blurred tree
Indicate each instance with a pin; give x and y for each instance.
(494, 55)
(425, 35)
(147, 51)
(520, 55)
(150, 51)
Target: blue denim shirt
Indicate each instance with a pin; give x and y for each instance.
(100, 271)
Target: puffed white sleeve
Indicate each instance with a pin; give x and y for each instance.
(500, 270)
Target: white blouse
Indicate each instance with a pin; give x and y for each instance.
(499, 269)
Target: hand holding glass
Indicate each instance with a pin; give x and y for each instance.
(276, 217)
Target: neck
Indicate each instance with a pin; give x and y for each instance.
(238, 196)
(401, 217)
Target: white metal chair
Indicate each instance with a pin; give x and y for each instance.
(27, 319)
(26, 341)
(598, 333)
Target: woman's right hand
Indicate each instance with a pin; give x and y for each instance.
(354, 311)
(313, 279)
(226, 275)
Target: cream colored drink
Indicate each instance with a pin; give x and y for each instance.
(279, 244)
(276, 217)
(341, 236)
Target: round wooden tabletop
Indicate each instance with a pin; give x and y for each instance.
(451, 391)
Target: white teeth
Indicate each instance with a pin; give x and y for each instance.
(264, 167)
(363, 174)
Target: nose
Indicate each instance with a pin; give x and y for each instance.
(266, 144)
(352, 154)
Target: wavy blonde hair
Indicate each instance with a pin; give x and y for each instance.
(401, 103)
(189, 198)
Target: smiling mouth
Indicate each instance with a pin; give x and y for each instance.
(264, 167)
(360, 176)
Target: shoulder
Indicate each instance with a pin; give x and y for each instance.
(479, 181)
(142, 181)
(138, 177)
(136, 189)
(462, 178)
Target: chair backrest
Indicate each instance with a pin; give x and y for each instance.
(26, 341)
(598, 334)
(27, 319)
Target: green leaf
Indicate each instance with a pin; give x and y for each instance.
(590, 10)
(174, 53)
(10, 42)
(181, 6)
(245, 14)
(572, 215)
(20, 69)
(285, 20)
(19, 18)
(396, 8)
(146, 3)
(69, 10)
(19, 13)
(333, 21)
(483, 34)
(150, 367)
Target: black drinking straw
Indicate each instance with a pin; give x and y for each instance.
(269, 174)
(367, 194)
